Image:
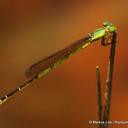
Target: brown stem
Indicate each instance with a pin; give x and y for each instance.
(109, 80)
(99, 96)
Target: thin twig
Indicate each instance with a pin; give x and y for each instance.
(99, 96)
(109, 80)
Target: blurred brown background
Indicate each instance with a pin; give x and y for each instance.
(66, 98)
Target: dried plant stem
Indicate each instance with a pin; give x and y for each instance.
(109, 80)
(99, 100)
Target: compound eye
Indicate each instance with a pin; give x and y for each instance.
(106, 23)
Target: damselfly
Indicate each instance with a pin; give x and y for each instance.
(46, 65)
